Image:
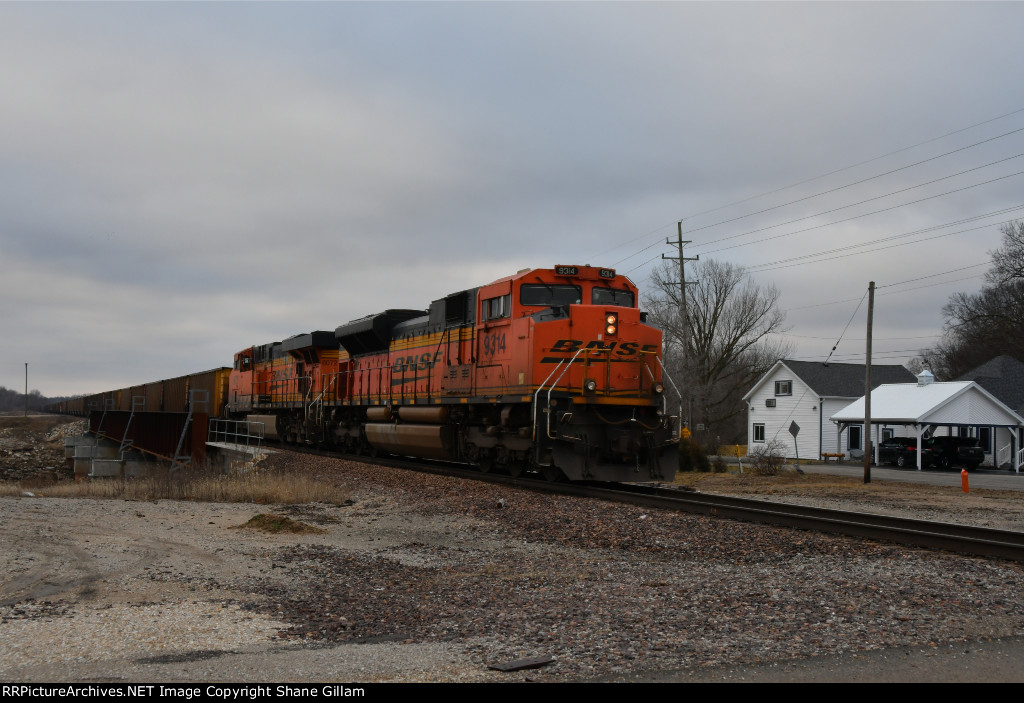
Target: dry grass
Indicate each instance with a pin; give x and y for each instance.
(260, 487)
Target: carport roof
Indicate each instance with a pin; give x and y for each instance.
(951, 403)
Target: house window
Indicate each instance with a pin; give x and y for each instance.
(758, 431)
(853, 438)
(887, 433)
(783, 388)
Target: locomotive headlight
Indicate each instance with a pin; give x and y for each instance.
(611, 323)
(590, 385)
(658, 388)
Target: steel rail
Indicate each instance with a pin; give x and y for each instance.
(963, 539)
(951, 537)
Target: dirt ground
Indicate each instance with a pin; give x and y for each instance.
(118, 590)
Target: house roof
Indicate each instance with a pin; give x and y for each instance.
(840, 380)
(935, 403)
(1003, 377)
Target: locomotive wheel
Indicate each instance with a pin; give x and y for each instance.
(515, 469)
(553, 474)
(485, 464)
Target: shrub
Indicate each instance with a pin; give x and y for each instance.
(692, 456)
(768, 458)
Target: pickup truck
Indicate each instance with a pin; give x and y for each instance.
(947, 452)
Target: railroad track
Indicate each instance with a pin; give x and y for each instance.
(961, 539)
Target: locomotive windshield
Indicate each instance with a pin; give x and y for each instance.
(550, 295)
(612, 296)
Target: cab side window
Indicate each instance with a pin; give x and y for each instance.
(496, 308)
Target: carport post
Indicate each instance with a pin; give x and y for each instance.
(920, 461)
(1017, 449)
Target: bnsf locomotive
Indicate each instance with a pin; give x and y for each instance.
(550, 370)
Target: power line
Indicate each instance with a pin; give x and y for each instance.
(907, 290)
(846, 328)
(856, 217)
(855, 339)
(854, 183)
(836, 222)
(798, 183)
(847, 168)
(934, 275)
(877, 197)
(773, 265)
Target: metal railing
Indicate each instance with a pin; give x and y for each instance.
(242, 433)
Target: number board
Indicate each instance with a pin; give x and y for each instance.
(575, 271)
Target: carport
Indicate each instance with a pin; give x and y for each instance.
(926, 405)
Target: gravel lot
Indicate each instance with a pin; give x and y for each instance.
(426, 578)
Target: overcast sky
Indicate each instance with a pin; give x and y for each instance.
(179, 181)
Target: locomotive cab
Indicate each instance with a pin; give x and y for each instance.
(598, 406)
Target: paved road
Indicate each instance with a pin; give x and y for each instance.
(981, 478)
(993, 479)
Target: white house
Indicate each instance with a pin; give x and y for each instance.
(806, 394)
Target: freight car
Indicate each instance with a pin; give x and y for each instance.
(169, 395)
(552, 371)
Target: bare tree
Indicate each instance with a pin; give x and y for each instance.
(1008, 260)
(980, 326)
(722, 345)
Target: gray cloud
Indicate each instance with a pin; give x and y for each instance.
(178, 181)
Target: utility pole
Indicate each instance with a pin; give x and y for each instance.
(867, 387)
(683, 309)
(26, 389)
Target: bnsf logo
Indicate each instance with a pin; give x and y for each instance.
(416, 363)
(571, 346)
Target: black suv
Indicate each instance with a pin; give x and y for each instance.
(947, 452)
(901, 451)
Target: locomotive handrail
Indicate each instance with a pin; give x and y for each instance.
(536, 395)
(665, 374)
(567, 367)
(664, 402)
(278, 389)
(331, 378)
(318, 402)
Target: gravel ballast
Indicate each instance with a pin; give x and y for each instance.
(428, 578)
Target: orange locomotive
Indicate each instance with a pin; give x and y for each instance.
(549, 370)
